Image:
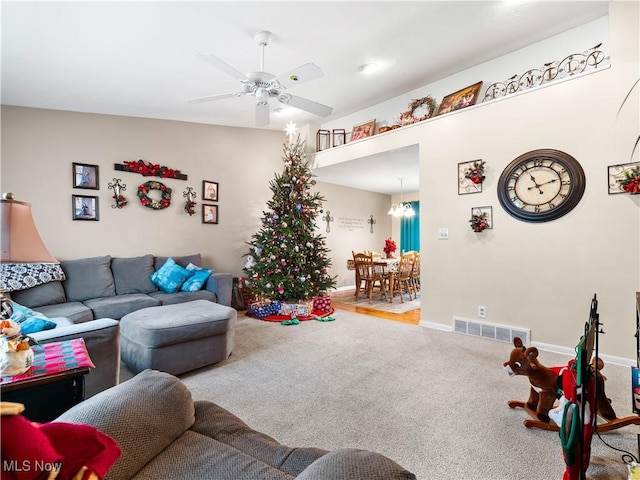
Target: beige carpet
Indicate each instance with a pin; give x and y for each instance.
(436, 402)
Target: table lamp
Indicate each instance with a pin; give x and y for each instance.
(25, 261)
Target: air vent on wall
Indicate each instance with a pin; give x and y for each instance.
(502, 333)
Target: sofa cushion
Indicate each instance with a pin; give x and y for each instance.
(77, 312)
(170, 277)
(88, 278)
(120, 305)
(45, 294)
(195, 456)
(155, 405)
(216, 422)
(181, 297)
(354, 463)
(131, 275)
(196, 281)
(183, 261)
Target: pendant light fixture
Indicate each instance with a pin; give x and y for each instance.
(401, 209)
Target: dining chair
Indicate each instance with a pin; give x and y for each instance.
(401, 282)
(368, 276)
(415, 272)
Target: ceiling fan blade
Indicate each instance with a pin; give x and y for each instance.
(225, 67)
(303, 73)
(262, 115)
(210, 98)
(306, 105)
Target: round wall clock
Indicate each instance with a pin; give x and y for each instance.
(541, 185)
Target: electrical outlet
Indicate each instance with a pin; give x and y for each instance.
(482, 311)
(443, 234)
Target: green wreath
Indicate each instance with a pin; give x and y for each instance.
(148, 202)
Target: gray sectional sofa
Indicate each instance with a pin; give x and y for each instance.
(163, 433)
(97, 293)
(111, 287)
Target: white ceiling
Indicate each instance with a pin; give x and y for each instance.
(139, 58)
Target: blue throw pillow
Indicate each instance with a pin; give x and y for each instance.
(30, 321)
(195, 281)
(170, 277)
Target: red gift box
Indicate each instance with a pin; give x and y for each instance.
(322, 304)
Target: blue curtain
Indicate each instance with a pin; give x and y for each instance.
(410, 230)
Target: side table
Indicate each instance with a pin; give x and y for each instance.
(53, 384)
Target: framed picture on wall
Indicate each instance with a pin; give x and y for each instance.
(466, 184)
(460, 99)
(210, 191)
(84, 207)
(363, 130)
(486, 213)
(85, 176)
(616, 173)
(209, 214)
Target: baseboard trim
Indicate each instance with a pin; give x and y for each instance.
(343, 289)
(436, 326)
(570, 352)
(624, 362)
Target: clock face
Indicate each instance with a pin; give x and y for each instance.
(541, 185)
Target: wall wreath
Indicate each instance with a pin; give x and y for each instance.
(148, 202)
(409, 117)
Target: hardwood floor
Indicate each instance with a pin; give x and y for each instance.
(412, 316)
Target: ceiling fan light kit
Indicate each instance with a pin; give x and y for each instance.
(264, 86)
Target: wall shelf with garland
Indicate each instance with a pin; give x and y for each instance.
(390, 140)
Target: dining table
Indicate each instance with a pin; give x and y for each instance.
(389, 266)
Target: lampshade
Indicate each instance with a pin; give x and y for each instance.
(401, 209)
(21, 242)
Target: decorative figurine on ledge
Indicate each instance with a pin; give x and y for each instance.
(118, 188)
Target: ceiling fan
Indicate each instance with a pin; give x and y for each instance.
(263, 85)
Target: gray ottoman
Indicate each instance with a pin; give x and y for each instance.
(177, 338)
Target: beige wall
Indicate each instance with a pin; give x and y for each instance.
(351, 209)
(536, 276)
(39, 147)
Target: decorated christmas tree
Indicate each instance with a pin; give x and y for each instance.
(289, 259)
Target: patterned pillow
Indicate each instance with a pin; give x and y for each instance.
(195, 281)
(170, 277)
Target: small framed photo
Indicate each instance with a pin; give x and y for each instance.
(363, 130)
(467, 184)
(209, 214)
(487, 214)
(460, 99)
(210, 191)
(339, 136)
(84, 207)
(616, 173)
(85, 176)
